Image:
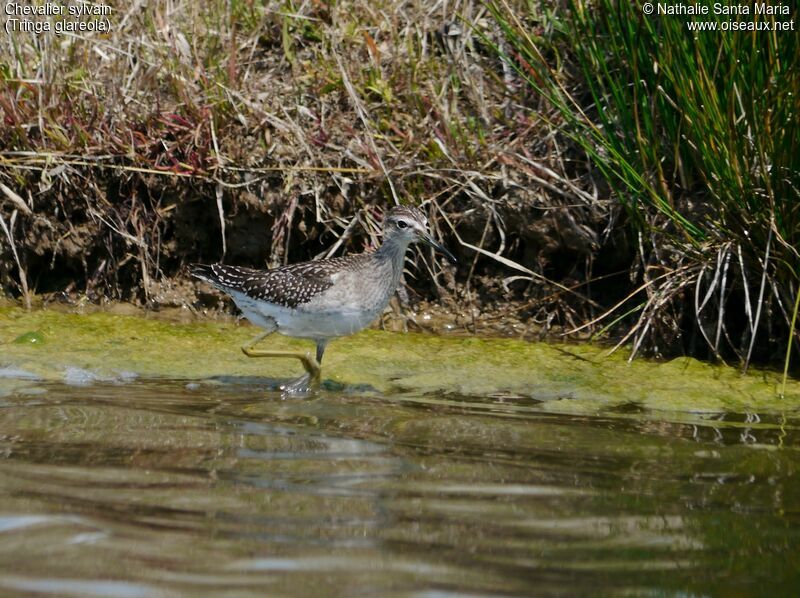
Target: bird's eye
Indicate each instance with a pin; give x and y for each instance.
(402, 224)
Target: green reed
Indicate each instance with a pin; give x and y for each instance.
(696, 133)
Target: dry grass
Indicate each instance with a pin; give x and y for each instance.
(265, 133)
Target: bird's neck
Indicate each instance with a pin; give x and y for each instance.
(393, 250)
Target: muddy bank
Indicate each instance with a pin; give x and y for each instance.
(189, 301)
(138, 252)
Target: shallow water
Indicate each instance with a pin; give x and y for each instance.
(117, 482)
(225, 488)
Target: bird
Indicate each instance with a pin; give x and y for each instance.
(323, 299)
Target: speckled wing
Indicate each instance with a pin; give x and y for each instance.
(290, 286)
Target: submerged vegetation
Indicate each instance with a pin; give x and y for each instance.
(598, 169)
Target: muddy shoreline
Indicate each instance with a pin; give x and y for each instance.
(187, 301)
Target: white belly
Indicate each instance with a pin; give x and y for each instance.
(304, 324)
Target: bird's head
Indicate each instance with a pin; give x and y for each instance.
(410, 225)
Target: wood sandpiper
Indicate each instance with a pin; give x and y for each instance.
(323, 299)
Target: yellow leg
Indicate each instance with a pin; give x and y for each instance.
(309, 363)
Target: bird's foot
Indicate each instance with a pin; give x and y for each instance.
(300, 387)
(312, 367)
(309, 362)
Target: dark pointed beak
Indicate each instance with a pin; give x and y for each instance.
(440, 248)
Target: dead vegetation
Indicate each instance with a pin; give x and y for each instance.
(265, 134)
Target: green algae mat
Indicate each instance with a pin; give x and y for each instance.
(81, 348)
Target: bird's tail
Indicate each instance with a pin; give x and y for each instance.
(221, 276)
(203, 272)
